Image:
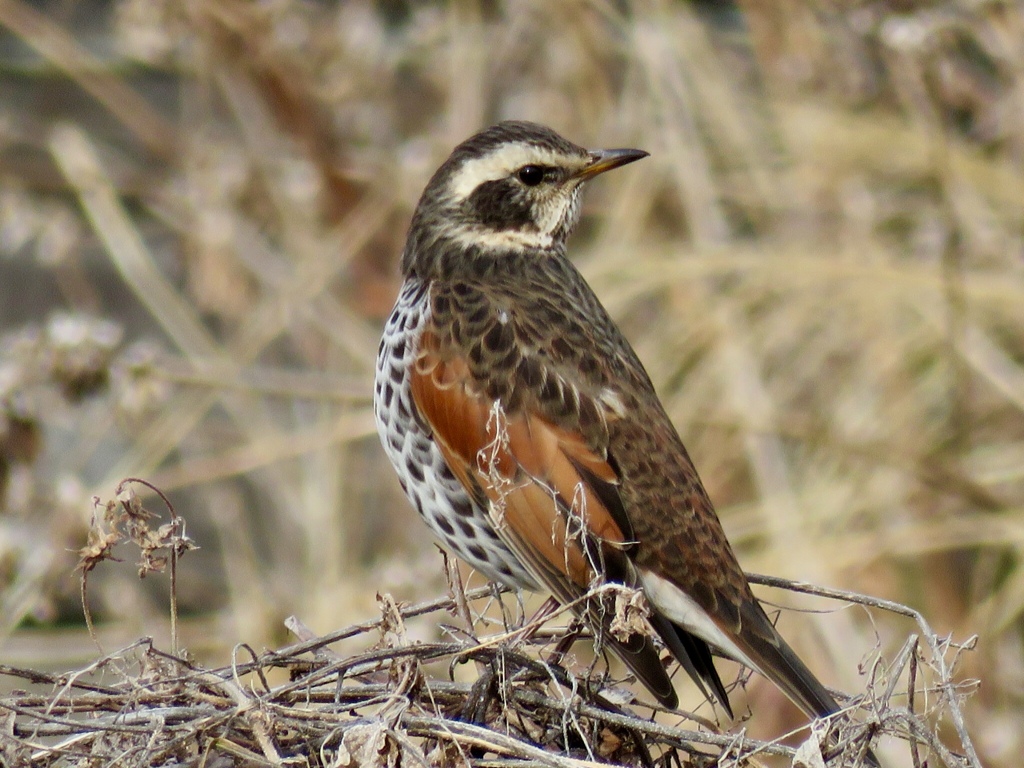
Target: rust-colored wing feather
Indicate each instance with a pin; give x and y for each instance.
(536, 480)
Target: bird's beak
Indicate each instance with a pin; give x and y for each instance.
(605, 159)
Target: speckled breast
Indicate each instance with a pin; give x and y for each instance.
(460, 524)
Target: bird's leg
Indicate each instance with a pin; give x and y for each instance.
(572, 633)
(458, 591)
(535, 622)
(483, 691)
(506, 618)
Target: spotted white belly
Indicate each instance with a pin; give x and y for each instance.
(460, 524)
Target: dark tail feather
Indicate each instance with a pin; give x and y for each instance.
(640, 654)
(638, 651)
(780, 664)
(774, 659)
(695, 657)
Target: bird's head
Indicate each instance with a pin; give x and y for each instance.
(513, 186)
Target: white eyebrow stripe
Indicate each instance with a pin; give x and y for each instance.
(497, 165)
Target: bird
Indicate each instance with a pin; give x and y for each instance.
(529, 437)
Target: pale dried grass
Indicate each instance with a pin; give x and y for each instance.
(821, 265)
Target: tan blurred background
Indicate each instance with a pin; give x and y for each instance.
(202, 206)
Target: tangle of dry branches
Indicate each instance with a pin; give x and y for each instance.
(397, 701)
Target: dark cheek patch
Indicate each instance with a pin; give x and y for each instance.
(500, 205)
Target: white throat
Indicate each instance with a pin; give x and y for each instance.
(508, 239)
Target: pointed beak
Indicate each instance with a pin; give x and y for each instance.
(605, 159)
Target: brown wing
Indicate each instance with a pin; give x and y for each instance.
(545, 490)
(685, 545)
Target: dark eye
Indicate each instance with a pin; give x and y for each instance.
(531, 175)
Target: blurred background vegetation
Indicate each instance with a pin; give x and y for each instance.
(202, 206)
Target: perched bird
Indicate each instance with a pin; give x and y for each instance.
(528, 435)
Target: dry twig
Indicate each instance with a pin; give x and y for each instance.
(390, 702)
